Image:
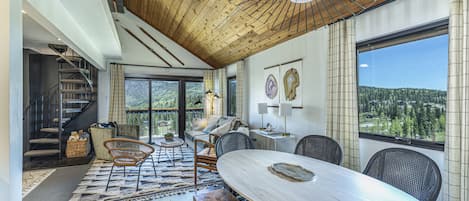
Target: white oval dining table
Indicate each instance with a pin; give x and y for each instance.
(246, 172)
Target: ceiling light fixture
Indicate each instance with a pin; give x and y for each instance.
(24, 12)
(59, 39)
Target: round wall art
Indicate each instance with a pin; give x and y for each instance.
(271, 87)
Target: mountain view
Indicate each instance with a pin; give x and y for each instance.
(404, 112)
(402, 89)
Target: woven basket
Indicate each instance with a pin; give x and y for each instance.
(77, 149)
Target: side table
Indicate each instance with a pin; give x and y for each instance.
(273, 141)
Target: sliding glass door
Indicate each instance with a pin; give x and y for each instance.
(161, 106)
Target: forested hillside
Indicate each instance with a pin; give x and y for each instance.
(164, 94)
(403, 112)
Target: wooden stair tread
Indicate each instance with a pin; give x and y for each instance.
(77, 91)
(43, 152)
(71, 110)
(49, 130)
(63, 120)
(44, 141)
(76, 101)
(76, 81)
(74, 70)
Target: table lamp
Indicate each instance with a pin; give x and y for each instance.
(285, 109)
(262, 109)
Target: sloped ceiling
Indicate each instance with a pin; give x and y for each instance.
(221, 32)
(135, 52)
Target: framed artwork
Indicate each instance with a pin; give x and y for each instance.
(272, 86)
(291, 83)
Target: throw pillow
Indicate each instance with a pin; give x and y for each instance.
(199, 124)
(211, 124)
(223, 129)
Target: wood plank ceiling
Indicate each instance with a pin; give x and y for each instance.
(221, 32)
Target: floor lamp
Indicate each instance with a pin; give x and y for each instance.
(262, 109)
(285, 110)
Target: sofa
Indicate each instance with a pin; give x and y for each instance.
(217, 125)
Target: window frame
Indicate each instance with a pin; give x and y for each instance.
(422, 32)
(228, 92)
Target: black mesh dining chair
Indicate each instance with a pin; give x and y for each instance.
(408, 170)
(232, 142)
(320, 147)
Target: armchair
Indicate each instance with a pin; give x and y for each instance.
(207, 157)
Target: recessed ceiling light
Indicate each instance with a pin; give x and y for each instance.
(24, 12)
(363, 65)
(59, 39)
(301, 1)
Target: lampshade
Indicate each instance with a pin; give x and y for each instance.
(262, 108)
(285, 109)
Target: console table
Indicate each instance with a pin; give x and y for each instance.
(273, 141)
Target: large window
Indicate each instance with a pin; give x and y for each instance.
(232, 96)
(402, 88)
(163, 105)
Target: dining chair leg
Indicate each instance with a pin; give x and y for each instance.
(138, 177)
(124, 171)
(109, 178)
(153, 162)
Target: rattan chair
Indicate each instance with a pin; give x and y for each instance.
(232, 142)
(320, 147)
(127, 152)
(407, 170)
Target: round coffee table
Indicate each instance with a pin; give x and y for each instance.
(162, 143)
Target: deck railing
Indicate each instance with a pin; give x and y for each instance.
(159, 116)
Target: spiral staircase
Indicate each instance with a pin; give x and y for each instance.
(50, 113)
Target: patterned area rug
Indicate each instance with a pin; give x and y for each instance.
(32, 179)
(170, 180)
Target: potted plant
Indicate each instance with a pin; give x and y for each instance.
(169, 136)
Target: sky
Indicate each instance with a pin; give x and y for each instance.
(417, 64)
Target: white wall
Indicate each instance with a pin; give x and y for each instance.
(93, 36)
(312, 48)
(11, 84)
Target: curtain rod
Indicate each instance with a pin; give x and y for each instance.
(288, 62)
(162, 67)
